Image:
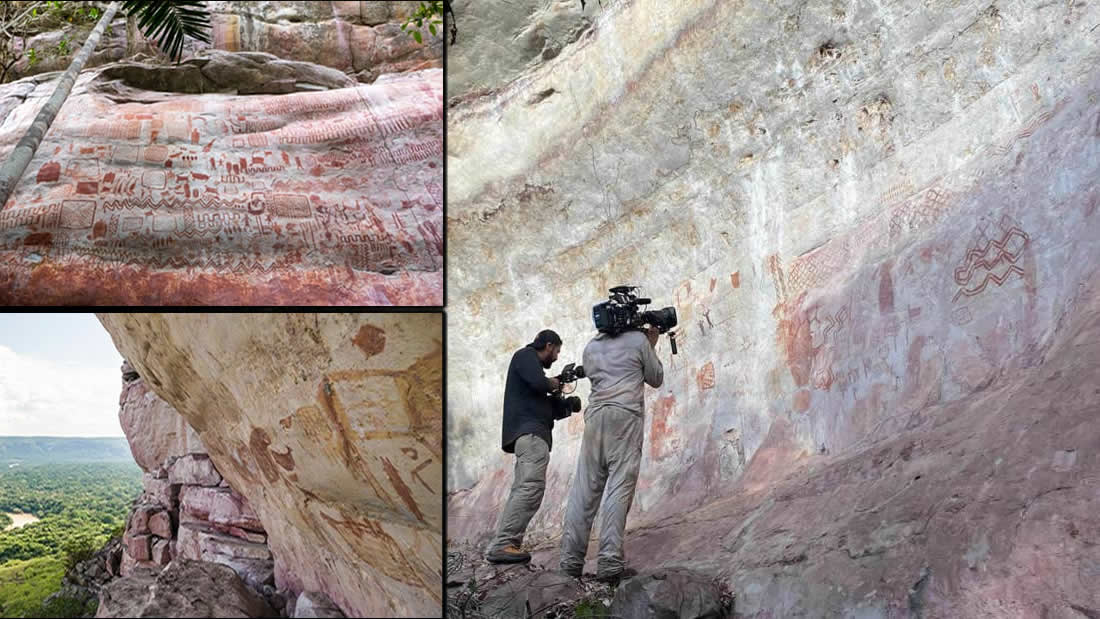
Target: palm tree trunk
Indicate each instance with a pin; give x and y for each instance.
(24, 151)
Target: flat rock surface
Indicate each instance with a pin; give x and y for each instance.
(146, 197)
(183, 589)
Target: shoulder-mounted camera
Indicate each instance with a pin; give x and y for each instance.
(623, 311)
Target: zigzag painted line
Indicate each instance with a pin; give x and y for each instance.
(174, 203)
(990, 276)
(977, 255)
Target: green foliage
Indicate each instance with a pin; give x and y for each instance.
(5, 521)
(81, 549)
(589, 609)
(25, 584)
(430, 12)
(80, 505)
(63, 48)
(170, 22)
(32, 56)
(63, 606)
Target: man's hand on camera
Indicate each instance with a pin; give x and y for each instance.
(555, 384)
(651, 332)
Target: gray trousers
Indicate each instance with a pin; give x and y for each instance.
(607, 468)
(528, 485)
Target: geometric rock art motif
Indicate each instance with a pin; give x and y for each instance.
(991, 257)
(330, 197)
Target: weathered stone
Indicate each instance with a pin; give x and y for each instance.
(139, 519)
(531, 595)
(161, 554)
(672, 593)
(222, 506)
(137, 546)
(160, 524)
(194, 470)
(257, 573)
(183, 589)
(161, 491)
(257, 538)
(316, 32)
(277, 446)
(315, 604)
(212, 543)
(155, 432)
(868, 251)
(200, 542)
(263, 173)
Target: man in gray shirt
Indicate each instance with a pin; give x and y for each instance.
(611, 449)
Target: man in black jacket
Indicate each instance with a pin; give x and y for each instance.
(529, 414)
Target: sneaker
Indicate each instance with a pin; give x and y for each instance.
(617, 577)
(508, 554)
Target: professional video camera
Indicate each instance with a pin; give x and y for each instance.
(569, 374)
(620, 313)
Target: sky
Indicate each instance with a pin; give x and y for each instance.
(59, 376)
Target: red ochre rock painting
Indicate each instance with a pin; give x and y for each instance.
(215, 200)
(658, 430)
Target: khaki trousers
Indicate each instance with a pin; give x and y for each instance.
(528, 485)
(607, 469)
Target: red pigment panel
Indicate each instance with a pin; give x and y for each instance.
(331, 198)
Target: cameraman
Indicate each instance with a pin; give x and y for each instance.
(529, 414)
(611, 450)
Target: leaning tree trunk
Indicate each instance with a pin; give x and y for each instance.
(24, 151)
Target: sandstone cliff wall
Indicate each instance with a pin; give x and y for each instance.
(329, 195)
(322, 470)
(871, 217)
(363, 39)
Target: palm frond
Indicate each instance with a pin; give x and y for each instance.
(169, 22)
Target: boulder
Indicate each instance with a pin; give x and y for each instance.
(139, 518)
(137, 546)
(160, 524)
(253, 562)
(668, 593)
(531, 595)
(211, 543)
(315, 604)
(194, 469)
(183, 589)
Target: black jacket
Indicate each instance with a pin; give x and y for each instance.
(528, 407)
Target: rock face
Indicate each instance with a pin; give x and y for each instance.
(147, 197)
(361, 39)
(185, 511)
(668, 594)
(153, 428)
(330, 428)
(84, 581)
(879, 228)
(183, 589)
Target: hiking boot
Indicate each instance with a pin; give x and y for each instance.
(575, 572)
(617, 577)
(508, 554)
